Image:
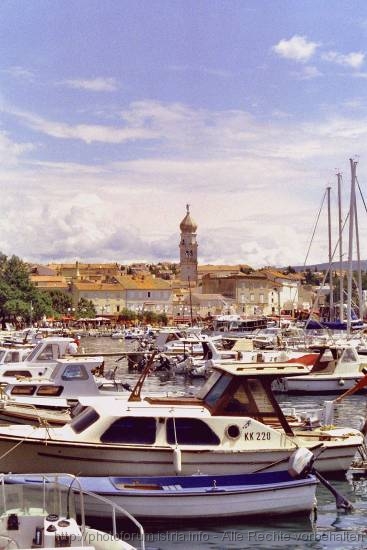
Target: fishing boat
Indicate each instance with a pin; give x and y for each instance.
(205, 497)
(234, 425)
(39, 513)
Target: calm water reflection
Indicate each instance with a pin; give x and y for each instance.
(330, 529)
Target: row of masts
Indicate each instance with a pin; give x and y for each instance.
(353, 232)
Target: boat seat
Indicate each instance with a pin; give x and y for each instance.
(172, 487)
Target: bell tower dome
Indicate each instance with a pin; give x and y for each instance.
(188, 248)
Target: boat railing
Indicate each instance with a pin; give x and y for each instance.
(68, 482)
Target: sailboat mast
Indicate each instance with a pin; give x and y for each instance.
(340, 225)
(359, 270)
(331, 295)
(353, 165)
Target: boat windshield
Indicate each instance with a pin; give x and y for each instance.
(217, 390)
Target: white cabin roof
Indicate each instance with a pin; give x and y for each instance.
(263, 369)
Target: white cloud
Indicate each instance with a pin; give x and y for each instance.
(297, 48)
(308, 73)
(21, 73)
(354, 59)
(93, 84)
(10, 151)
(88, 133)
(236, 172)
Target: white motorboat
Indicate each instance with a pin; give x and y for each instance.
(49, 398)
(44, 356)
(234, 425)
(37, 512)
(9, 355)
(338, 368)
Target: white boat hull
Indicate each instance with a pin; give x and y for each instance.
(275, 499)
(110, 460)
(320, 384)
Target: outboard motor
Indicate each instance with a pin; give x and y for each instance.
(300, 462)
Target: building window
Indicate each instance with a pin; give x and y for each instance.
(261, 298)
(252, 297)
(148, 294)
(117, 308)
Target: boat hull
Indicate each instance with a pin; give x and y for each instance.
(321, 384)
(162, 498)
(20, 454)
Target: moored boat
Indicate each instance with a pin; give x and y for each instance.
(38, 513)
(234, 425)
(205, 497)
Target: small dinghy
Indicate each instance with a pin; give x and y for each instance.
(290, 491)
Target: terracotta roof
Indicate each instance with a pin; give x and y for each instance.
(82, 266)
(142, 283)
(211, 267)
(49, 281)
(95, 287)
(45, 278)
(278, 274)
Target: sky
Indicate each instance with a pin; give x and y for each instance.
(116, 114)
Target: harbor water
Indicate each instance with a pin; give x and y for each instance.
(327, 528)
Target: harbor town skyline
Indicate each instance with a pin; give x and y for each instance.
(115, 116)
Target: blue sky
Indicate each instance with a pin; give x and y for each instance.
(115, 114)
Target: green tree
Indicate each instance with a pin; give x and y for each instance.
(19, 297)
(162, 319)
(85, 308)
(127, 315)
(61, 302)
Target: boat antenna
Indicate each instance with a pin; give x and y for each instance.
(135, 394)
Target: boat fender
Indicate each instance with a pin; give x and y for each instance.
(177, 460)
(341, 382)
(300, 462)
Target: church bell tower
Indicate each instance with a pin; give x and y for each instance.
(188, 249)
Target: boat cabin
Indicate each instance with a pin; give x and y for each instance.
(68, 379)
(239, 390)
(13, 355)
(336, 360)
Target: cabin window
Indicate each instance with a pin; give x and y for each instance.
(49, 390)
(139, 430)
(217, 390)
(74, 372)
(260, 397)
(33, 353)
(83, 420)
(239, 402)
(23, 390)
(77, 409)
(15, 373)
(349, 356)
(47, 354)
(190, 431)
(2, 353)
